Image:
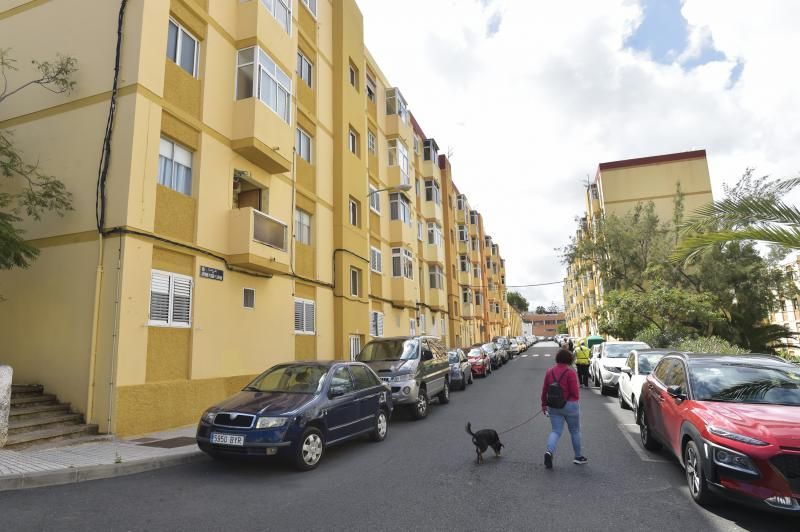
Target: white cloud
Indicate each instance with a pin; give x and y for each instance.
(531, 109)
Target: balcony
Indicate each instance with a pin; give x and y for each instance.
(431, 210)
(396, 177)
(461, 218)
(467, 310)
(431, 169)
(404, 291)
(462, 247)
(437, 299)
(401, 233)
(261, 136)
(432, 253)
(465, 278)
(258, 241)
(256, 24)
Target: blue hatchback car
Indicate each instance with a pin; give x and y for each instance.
(297, 410)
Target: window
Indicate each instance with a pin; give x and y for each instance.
(466, 296)
(463, 263)
(304, 313)
(436, 275)
(420, 230)
(416, 144)
(354, 208)
(175, 167)
(444, 331)
(374, 200)
(434, 234)
(478, 298)
(282, 11)
(355, 282)
(353, 76)
(311, 5)
(396, 104)
(412, 327)
(302, 222)
(376, 323)
(460, 202)
(375, 260)
(352, 141)
(402, 263)
(363, 377)
(371, 88)
(303, 145)
(422, 327)
(474, 241)
(430, 150)
(355, 347)
(476, 271)
(263, 78)
(371, 143)
(473, 217)
(182, 48)
(249, 298)
(398, 156)
(462, 233)
(432, 192)
(304, 68)
(399, 208)
(170, 299)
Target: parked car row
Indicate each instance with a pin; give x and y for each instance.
(297, 410)
(732, 421)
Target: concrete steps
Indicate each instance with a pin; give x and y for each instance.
(38, 418)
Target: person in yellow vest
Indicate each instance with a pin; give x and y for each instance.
(582, 356)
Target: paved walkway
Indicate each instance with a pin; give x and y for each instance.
(103, 458)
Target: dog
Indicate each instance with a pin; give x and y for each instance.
(483, 439)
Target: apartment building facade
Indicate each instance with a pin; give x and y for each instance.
(787, 312)
(270, 198)
(545, 324)
(617, 188)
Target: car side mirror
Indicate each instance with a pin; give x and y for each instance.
(676, 391)
(336, 391)
(427, 354)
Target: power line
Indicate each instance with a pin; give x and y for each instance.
(532, 285)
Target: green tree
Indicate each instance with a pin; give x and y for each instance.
(540, 309)
(518, 301)
(25, 189)
(561, 329)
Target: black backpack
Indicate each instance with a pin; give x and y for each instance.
(555, 395)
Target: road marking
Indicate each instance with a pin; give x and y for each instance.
(628, 430)
(547, 355)
(524, 356)
(534, 355)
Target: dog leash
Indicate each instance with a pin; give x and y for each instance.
(523, 423)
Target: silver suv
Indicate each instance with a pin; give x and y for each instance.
(416, 368)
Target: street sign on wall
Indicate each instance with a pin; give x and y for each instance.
(211, 273)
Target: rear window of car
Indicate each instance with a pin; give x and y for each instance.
(396, 349)
(741, 383)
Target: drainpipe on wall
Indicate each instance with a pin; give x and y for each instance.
(98, 283)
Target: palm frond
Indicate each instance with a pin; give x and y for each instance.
(692, 245)
(738, 213)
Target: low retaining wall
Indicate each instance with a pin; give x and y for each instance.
(5, 402)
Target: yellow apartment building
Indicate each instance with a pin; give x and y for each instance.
(617, 188)
(270, 198)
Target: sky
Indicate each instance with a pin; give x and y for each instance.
(529, 96)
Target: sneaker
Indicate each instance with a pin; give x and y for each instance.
(548, 460)
(580, 460)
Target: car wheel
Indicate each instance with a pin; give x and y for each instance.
(604, 390)
(444, 395)
(634, 408)
(622, 404)
(648, 441)
(420, 409)
(695, 475)
(381, 427)
(463, 382)
(309, 451)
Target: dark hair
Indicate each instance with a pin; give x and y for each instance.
(563, 357)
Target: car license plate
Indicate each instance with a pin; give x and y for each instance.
(227, 439)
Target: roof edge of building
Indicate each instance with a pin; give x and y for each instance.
(653, 159)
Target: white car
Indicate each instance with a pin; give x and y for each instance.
(639, 364)
(607, 362)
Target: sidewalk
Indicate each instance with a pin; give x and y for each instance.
(105, 458)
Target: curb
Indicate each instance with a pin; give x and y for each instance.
(95, 472)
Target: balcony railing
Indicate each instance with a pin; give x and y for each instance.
(269, 231)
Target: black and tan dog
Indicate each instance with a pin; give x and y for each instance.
(483, 439)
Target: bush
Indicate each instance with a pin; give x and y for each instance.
(710, 344)
(656, 338)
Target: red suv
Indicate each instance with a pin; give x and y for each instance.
(733, 421)
(479, 359)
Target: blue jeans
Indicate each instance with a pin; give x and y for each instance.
(571, 414)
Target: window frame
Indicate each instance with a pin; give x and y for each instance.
(376, 320)
(258, 66)
(355, 275)
(374, 199)
(354, 209)
(371, 87)
(178, 45)
(309, 4)
(244, 298)
(305, 69)
(404, 265)
(305, 303)
(375, 260)
(174, 147)
(353, 141)
(287, 4)
(398, 156)
(399, 205)
(299, 224)
(300, 136)
(170, 321)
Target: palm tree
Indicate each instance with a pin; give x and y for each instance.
(760, 215)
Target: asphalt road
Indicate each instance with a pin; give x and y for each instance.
(422, 477)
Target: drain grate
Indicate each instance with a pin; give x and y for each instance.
(171, 443)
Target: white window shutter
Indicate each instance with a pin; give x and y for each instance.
(159, 297)
(310, 312)
(298, 316)
(380, 324)
(181, 300)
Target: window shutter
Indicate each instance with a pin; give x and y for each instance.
(298, 316)
(159, 297)
(181, 300)
(373, 324)
(310, 316)
(380, 324)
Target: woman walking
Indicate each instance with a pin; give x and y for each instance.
(560, 397)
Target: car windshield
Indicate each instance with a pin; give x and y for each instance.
(452, 357)
(740, 383)
(295, 378)
(648, 361)
(622, 350)
(489, 348)
(474, 353)
(397, 349)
